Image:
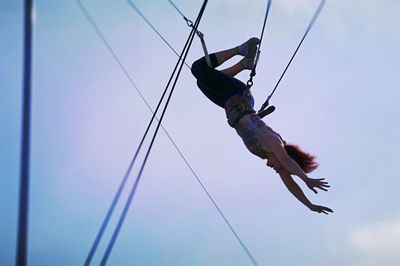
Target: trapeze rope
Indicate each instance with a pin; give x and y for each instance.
(313, 19)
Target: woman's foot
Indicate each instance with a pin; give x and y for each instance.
(245, 48)
(249, 60)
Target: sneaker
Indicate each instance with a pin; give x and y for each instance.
(245, 48)
(249, 60)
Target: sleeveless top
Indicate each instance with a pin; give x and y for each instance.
(253, 130)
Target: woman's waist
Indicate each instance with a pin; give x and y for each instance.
(236, 107)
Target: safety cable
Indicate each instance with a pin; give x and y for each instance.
(313, 19)
(151, 25)
(180, 12)
(178, 66)
(122, 184)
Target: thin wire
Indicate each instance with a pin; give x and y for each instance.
(133, 190)
(23, 214)
(151, 25)
(177, 9)
(313, 19)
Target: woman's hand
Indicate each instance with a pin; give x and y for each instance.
(320, 209)
(317, 183)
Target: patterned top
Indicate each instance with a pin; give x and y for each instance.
(253, 130)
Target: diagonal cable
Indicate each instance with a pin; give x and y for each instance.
(155, 30)
(178, 10)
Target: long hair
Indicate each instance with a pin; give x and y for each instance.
(305, 160)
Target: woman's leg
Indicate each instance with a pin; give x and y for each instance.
(247, 49)
(233, 70)
(215, 84)
(225, 55)
(220, 85)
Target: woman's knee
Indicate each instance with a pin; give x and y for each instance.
(198, 67)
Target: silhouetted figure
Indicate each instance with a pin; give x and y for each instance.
(235, 97)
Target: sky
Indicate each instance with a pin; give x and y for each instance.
(338, 100)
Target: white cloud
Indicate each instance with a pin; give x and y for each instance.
(378, 242)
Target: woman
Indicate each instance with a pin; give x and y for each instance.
(233, 95)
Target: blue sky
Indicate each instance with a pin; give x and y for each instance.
(338, 100)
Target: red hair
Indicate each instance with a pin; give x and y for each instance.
(305, 160)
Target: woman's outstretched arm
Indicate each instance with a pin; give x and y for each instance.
(292, 167)
(294, 188)
(299, 194)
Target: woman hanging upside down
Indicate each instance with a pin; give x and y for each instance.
(234, 96)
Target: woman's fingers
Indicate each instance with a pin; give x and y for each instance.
(318, 183)
(326, 210)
